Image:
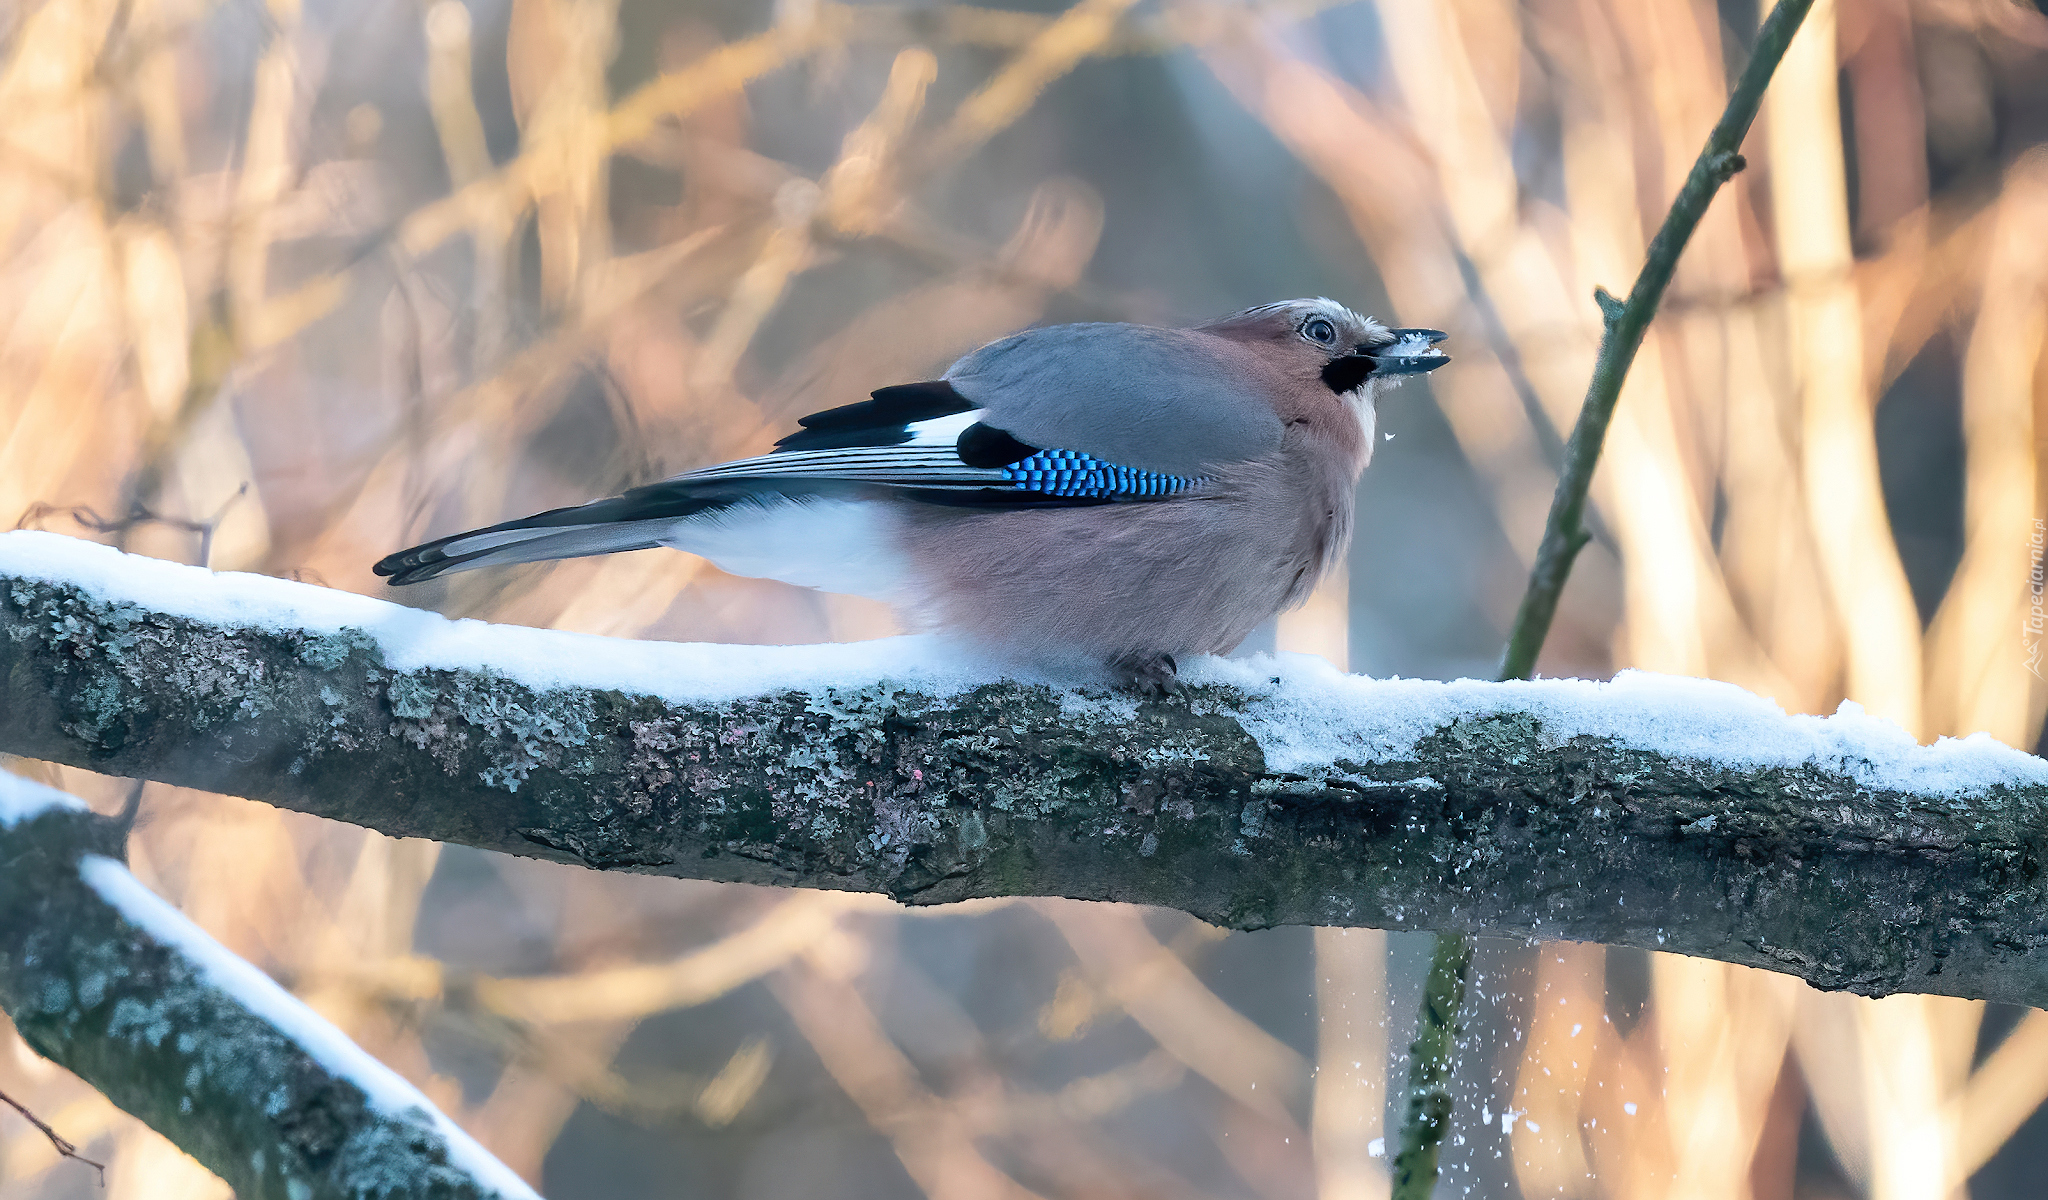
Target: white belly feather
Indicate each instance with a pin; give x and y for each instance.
(834, 545)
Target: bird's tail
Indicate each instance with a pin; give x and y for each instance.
(658, 514)
(820, 533)
(562, 533)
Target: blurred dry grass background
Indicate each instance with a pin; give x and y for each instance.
(284, 286)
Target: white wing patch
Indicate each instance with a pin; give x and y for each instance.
(943, 431)
(832, 545)
(931, 458)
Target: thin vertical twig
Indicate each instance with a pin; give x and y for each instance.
(1624, 323)
(1429, 1069)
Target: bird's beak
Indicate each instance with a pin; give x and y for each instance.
(1413, 352)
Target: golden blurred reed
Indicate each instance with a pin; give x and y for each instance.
(177, 357)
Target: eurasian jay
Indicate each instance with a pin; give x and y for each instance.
(1119, 494)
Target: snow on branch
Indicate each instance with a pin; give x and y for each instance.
(1649, 811)
(107, 980)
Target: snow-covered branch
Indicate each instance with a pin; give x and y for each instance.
(106, 979)
(1649, 811)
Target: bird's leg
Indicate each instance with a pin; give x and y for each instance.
(1154, 676)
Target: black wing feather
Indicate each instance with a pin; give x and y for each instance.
(983, 445)
(881, 421)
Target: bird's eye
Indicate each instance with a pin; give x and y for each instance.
(1319, 330)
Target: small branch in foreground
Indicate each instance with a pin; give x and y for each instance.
(1428, 1116)
(61, 1144)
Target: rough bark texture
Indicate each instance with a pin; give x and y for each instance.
(140, 1022)
(1487, 826)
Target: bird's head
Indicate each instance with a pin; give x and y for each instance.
(1338, 347)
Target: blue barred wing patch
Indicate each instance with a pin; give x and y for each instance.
(953, 455)
(1072, 474)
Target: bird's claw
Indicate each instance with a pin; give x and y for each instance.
(1156, 676)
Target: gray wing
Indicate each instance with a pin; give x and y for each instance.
(1177, 401)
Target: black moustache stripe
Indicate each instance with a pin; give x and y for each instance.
(1347, 373)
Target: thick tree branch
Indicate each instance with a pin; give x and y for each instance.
(1662, 813)
(105, 979)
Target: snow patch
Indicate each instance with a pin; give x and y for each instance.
(389, 1093)
(1308, 714)
(414, 639)
(23, 799)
